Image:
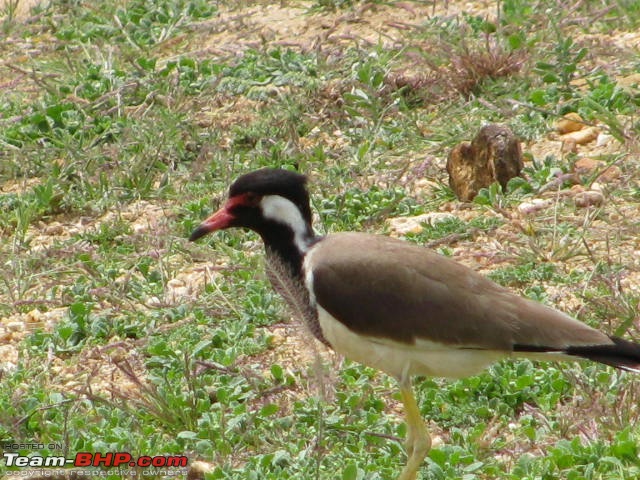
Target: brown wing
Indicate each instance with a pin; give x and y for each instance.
(387, 288)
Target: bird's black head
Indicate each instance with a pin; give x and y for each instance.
(272, 202)
(275, 181)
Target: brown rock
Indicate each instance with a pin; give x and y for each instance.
(581, 137)
(493, 155)
(535, 205)
(571, 122)
(199, 469)
(54, 228)
(586, 166)
(610, 174)
(590, 198)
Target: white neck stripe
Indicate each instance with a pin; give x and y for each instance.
(284, 211)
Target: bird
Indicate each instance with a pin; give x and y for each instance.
(397, 306)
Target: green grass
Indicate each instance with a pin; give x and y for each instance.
(124, 125)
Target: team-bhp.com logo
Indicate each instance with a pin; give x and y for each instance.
(86, 459)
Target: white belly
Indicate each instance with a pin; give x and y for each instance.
(400, 359)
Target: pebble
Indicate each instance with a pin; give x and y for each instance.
(590, 198)
(611, 173)
(603, 139)
(587, 165)
(581, 137)
(571, 122)
(534, 206)
(404, 225)
(175, 283)
(54, 228)
(15, 326)
(199, 468)
(8, 355)
(153, 302)
(597, 187)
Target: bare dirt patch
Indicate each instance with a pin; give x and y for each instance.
(298, 26)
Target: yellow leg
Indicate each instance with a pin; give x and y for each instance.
(418, 441)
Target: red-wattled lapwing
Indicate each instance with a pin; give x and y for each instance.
(399, 307)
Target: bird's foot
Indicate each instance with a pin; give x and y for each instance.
(417, 447)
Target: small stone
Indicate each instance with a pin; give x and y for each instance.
(610, 174)
(34, 316)
(437, 441)
(587, 165)
(55, 228)
(118, 355)
(603, 139)
(404, 225)
(199, 469)
(7, 368)
(575, 189)
(534, 206)
(597, 187)
(571, 122)
(15, 326)
(154, 302)
(140, 228)
(175, 283)
(8, 354)
(581, 137)
(590, 198)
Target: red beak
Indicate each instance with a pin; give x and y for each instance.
(219, 220)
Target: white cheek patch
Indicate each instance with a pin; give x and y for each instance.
(281, 210)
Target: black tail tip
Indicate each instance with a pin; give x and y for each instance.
(622, 354)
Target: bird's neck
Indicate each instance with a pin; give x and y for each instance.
(289, 246)
(285, 256)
